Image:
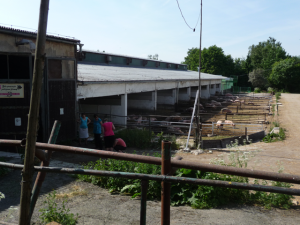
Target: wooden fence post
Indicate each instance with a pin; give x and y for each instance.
(27, 172)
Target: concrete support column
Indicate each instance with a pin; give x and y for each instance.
(167, 97)
(154, 99)
(123, 111)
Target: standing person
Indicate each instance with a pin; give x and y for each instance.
(109, 135)
(97, 131)
(119, 145)
(83, 130)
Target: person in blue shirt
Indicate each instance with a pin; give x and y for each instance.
(83, 130)
(97, 132)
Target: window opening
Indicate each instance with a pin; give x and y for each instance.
(3, 67)
(18, 67)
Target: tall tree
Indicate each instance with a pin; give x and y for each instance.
(286, 75)
(258, 79)
(265, 54)
(213, 61)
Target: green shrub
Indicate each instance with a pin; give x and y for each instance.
(52, 213)
(277, 95)
(257, 90)
(197, 196)
(141, 138)
(270, 90)
(276, 124)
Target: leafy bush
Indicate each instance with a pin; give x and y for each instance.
(54, 214)
(257, 90)
(277, 95)
(1, 196)
(197, 196)
(270, 90)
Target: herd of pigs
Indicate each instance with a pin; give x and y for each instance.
(176, 123)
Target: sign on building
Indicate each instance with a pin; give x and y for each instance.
(11, 90)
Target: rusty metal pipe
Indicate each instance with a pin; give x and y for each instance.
(290, 178)
(236, 185)
(165, 186)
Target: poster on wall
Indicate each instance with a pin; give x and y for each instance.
(11, 90)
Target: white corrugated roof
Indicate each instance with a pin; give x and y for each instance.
(109, 73)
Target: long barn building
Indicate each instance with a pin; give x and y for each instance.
(112, 84)
(76, 81)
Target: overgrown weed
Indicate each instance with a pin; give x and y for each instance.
(197, 196)
(53, 213)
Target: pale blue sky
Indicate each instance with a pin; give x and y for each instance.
(143, 27)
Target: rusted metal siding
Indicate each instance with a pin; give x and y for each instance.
(62, 94)
(52, 49)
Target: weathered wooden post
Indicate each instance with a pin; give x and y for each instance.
(41, 175)
(27, 172)
(165, 186)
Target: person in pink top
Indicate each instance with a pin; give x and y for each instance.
(119, 145)
(109, 135)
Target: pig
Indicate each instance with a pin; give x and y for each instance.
(226, 110)
(219, 124)
(229, 122)
(139, 120)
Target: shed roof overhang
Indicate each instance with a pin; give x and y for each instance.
(97, 80)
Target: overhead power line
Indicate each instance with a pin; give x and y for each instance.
(185, 20)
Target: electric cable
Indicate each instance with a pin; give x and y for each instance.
(185, 20)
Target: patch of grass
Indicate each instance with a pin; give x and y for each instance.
(272, 137)
(197, 196)
(53, 213)
(76, 191)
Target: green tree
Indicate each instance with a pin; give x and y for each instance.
(258, 79)
(213, 61)
(265, 54)
(242, 68)
(286, 75)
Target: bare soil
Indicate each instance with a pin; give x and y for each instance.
(95, 205)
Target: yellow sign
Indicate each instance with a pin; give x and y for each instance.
(8, 90)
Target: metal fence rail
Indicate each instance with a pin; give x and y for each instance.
(168, 168)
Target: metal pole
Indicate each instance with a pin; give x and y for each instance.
(41, 175)
(283, 177)
(165, 186)
(198, 131)
(27, 173)
(195, 181)
(192, 119)
(246, 132)
(144, 185)
(149, 127)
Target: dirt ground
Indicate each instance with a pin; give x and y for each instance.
(95, 205)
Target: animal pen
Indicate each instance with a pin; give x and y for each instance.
(168, 166)
(244, 114)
